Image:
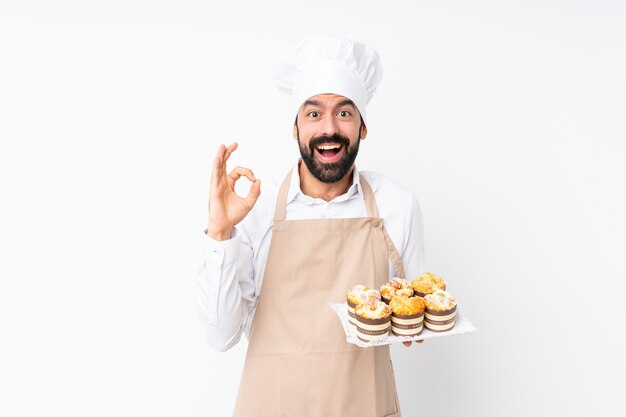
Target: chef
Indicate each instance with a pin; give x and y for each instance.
(276, 257)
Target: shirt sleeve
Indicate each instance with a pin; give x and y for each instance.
(226, 291)
(413, 248)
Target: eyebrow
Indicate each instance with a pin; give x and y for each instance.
(311, 103)
(346, 102)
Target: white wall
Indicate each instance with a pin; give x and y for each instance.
(505, 118)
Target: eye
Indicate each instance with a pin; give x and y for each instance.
(344, 113)
(313, 114)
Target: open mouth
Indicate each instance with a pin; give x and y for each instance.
(329, 152)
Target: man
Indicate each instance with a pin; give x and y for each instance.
(274, 260)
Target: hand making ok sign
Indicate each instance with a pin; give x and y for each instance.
(226, 207)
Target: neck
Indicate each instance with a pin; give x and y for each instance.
(315, 188)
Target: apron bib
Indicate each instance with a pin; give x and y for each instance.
(298, 362)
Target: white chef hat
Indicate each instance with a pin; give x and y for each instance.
(321, 65)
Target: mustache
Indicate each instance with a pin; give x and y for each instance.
(320, 140)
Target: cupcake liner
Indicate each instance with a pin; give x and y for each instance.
(413, 331)
(462, 326)
(372, 329)
(411, 325)
(440, 321)
(351, 313)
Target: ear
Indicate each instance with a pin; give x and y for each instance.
(363, 132)
(295, 128)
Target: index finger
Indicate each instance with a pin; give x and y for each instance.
(229, 150)
(217, 165)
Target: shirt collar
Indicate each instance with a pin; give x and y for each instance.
(295, 191)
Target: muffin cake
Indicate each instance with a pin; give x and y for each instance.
(427, 283)
(359, 294)
(373, 320)
(440, 311)
(407, 315)
(395, 287)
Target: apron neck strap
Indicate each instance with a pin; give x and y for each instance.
(368, 196)
(281, 201)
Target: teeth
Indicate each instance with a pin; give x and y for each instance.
(327, 146)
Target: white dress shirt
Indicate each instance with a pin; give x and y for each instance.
(231, 275)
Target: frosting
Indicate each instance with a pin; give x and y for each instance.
(407, 306)
(440, 300)
(428, 283)
(372, 295)
(360, 294)
(396, 287)
(356, 293)
(373, 310)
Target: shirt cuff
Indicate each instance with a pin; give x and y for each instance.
(221, 253)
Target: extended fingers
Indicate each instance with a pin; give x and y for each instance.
(227, 152)
(217, 165)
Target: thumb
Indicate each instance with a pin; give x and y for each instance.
(254, 193)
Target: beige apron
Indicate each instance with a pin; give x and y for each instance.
(298, 362)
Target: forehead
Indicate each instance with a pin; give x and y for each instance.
(327, 100)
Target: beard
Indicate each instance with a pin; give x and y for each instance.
(335, 171)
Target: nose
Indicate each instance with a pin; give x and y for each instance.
(328, 127)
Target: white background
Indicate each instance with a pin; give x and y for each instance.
(505, 118)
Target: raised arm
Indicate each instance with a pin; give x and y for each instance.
(226, 277)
